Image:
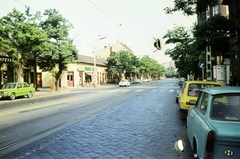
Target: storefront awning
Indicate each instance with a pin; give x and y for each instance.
(90, 74)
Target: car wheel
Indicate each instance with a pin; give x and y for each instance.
(195, 156)
(12, 96)
(29, 94)
(183, 115)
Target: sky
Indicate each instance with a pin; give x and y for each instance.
(135, 23)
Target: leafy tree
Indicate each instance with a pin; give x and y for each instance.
(185, 53)
(19, 36)
(59, 51)
(190, 7)
(216, 30)
(122, 61)
(150, 68)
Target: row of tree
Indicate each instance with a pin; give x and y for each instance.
(125, 62)
(190, 44)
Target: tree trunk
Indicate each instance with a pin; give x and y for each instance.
(56, 84)
(57, 79)
(19, 74)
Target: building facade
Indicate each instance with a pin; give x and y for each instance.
(234, 13)
(79, 73)
(210, 71)
(106, 51)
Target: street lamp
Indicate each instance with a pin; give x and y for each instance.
(95, 68)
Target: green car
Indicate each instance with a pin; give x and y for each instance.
(16, 89)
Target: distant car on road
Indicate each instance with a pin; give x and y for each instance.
(124, 83)
(189, 91)
(213, 123)
(135, 81)
(16, 89)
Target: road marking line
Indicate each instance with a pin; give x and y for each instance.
(115, 90)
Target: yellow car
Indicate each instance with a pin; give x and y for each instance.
(189, 92)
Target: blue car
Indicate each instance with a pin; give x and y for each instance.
(213, 124)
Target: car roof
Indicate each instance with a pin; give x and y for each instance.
(14, 82)
(221, 90)
(202, 82)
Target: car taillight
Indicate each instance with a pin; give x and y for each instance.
(209, 144)
(188, 103)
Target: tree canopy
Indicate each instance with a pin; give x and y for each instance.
(19, 36)
(190, 7)
(190, 45)
(59, 51)
(124, 61)
(216, 32)
(185, 54)
(43, 38)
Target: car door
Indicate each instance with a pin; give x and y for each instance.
(19, 91)
(197, 127)
(25, 88)
(191, 120)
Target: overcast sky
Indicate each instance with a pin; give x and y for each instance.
(135, 23)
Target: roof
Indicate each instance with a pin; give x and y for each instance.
(90, 60)
(221, 90)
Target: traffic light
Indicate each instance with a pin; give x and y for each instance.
(157, 44)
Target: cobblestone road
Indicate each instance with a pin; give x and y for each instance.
(144, 127)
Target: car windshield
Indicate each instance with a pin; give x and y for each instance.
(193, 89)
(226, 107)
(8, 86)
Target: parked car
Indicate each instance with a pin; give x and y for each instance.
(124, 83)
(135, 81)
(189, 91)
(181, 81)
(16, 89)
(213, 124)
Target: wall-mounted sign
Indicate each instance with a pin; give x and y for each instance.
(88, 69)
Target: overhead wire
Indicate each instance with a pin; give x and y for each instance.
(119, 24)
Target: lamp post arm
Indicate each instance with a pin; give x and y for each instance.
(95, 61)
